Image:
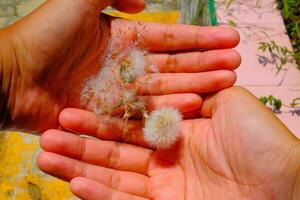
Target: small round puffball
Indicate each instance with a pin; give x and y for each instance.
(162, 128)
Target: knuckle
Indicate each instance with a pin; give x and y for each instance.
(161, 86)
(115, 181)
(172, 63)
(79, 170)
(81, 148)
(169, 37)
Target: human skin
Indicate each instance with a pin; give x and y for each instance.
(237, 150)
(47, 56)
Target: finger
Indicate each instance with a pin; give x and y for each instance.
(182, 102)
(175, 37)
(109, 154)
(130, 6)
(87, 189)
(228, 59)
(85, 122)
(67, 169)
(203, 82)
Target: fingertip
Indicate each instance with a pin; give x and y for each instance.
(43, 161)
(231, 77)
(225, 79)
(46, 137)
(130, 6)
(78, 121)
(66, 116)
(226, 59)
(208, 105)
(83, 188)
(230, 37)
(235, 36)
(234, 78)
(194, 102)
(237, 61)
(76, 185)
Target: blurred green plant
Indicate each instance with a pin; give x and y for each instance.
(279, 56)
(276, 103)
(290, 10)
(295, 103)
(197, 19)
(232, 23)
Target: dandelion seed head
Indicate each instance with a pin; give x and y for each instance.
(133, 66)
(108, 91)
(162, 129)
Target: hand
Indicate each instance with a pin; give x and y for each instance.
(58, 46)
(240, 150)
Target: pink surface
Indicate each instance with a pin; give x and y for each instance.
(263, 23)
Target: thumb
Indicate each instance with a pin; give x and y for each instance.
(129, 6)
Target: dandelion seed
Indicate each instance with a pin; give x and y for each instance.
(133, 67)
(108, 93)
(137, 58)
(127, 72)
(162, 128)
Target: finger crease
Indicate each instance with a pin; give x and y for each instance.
(199, 61)
(161, 85)
(114, 181)
(81, 148)
(172, 63)
(198, 36)
(169, 37)
(80, 170)
(114, 156)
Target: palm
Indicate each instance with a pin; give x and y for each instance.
(205, 167)
(59, 46)
(226, 156)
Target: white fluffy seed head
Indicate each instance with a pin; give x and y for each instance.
(133, 67)
(107, 91)
(162, 128)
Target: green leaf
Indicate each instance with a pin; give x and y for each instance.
(232, 23)
(34, 191)
(264, 100)
(277, 104)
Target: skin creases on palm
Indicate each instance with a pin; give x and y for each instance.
(204, 172)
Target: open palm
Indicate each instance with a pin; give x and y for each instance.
(237, 152)
(62, 43)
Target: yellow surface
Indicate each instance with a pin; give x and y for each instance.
(18, 171)
(170, 17)
(18, 151)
